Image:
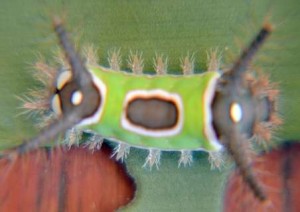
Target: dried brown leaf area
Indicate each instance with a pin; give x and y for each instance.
(64, 180)
(279, 173)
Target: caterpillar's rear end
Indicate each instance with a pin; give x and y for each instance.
(251, 104)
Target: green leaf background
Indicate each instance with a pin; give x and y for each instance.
(170, 27)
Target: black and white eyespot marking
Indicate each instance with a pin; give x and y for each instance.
(68, 96)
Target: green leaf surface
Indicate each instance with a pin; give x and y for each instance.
(173, 28)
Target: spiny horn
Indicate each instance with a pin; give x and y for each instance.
(235, 144)
(241, 65)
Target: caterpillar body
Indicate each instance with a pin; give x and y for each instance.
(155, 112)
(215, 111)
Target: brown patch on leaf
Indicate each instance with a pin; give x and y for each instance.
(64, 180)
(279, 173)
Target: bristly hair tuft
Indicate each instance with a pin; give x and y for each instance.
(38, 100)
(262, 87)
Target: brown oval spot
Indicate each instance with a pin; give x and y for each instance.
(152, 113)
